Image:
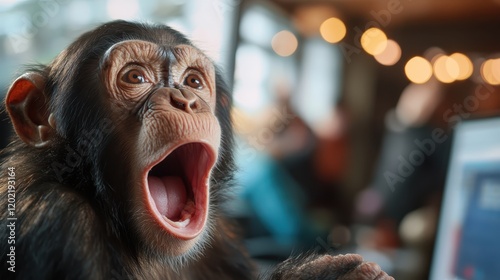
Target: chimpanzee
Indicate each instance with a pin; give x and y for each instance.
(120, 164)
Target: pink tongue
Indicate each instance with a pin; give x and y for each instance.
(169, 195)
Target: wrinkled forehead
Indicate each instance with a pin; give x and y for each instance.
(144, 52)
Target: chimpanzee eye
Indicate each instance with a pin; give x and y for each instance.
(194, 81)
(134, 76)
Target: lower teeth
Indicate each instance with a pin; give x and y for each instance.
(182, 223)
(185, 215)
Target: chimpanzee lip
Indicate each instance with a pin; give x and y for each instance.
(192, 163)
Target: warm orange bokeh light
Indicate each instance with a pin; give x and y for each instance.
(418, 70)
(374, 41)
(490, 71)
(446, 69)
(465, 67)
(390, 55)
(333, 30)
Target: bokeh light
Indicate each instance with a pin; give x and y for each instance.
(284, 43)
(446, 69)
(465, 67)
(333, 30)
(418, 70)
(374, 41)
(490, 71)
(495, 68)
(390, 55)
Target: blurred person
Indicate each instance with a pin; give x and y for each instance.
(273, 194)
(293, 184)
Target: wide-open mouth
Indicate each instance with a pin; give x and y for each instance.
(177, 189)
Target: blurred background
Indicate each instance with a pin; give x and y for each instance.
(343, 110)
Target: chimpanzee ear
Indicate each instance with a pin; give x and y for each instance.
(28, 109)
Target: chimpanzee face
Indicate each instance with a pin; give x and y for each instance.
(166, 96)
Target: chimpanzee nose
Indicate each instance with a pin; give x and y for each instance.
(184, 100)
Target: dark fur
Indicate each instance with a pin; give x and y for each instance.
(69, 223)
(72, 224)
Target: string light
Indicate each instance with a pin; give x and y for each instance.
(390, 55)
(374, 41)
(445, 69)
(490, 71)
(465, 67)
(418, 70)
(333, 30)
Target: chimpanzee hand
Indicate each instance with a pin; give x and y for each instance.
(341, 267)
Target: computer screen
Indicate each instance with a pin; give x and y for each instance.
(468, 238)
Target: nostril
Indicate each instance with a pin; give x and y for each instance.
(193, 105)
(177, 103)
